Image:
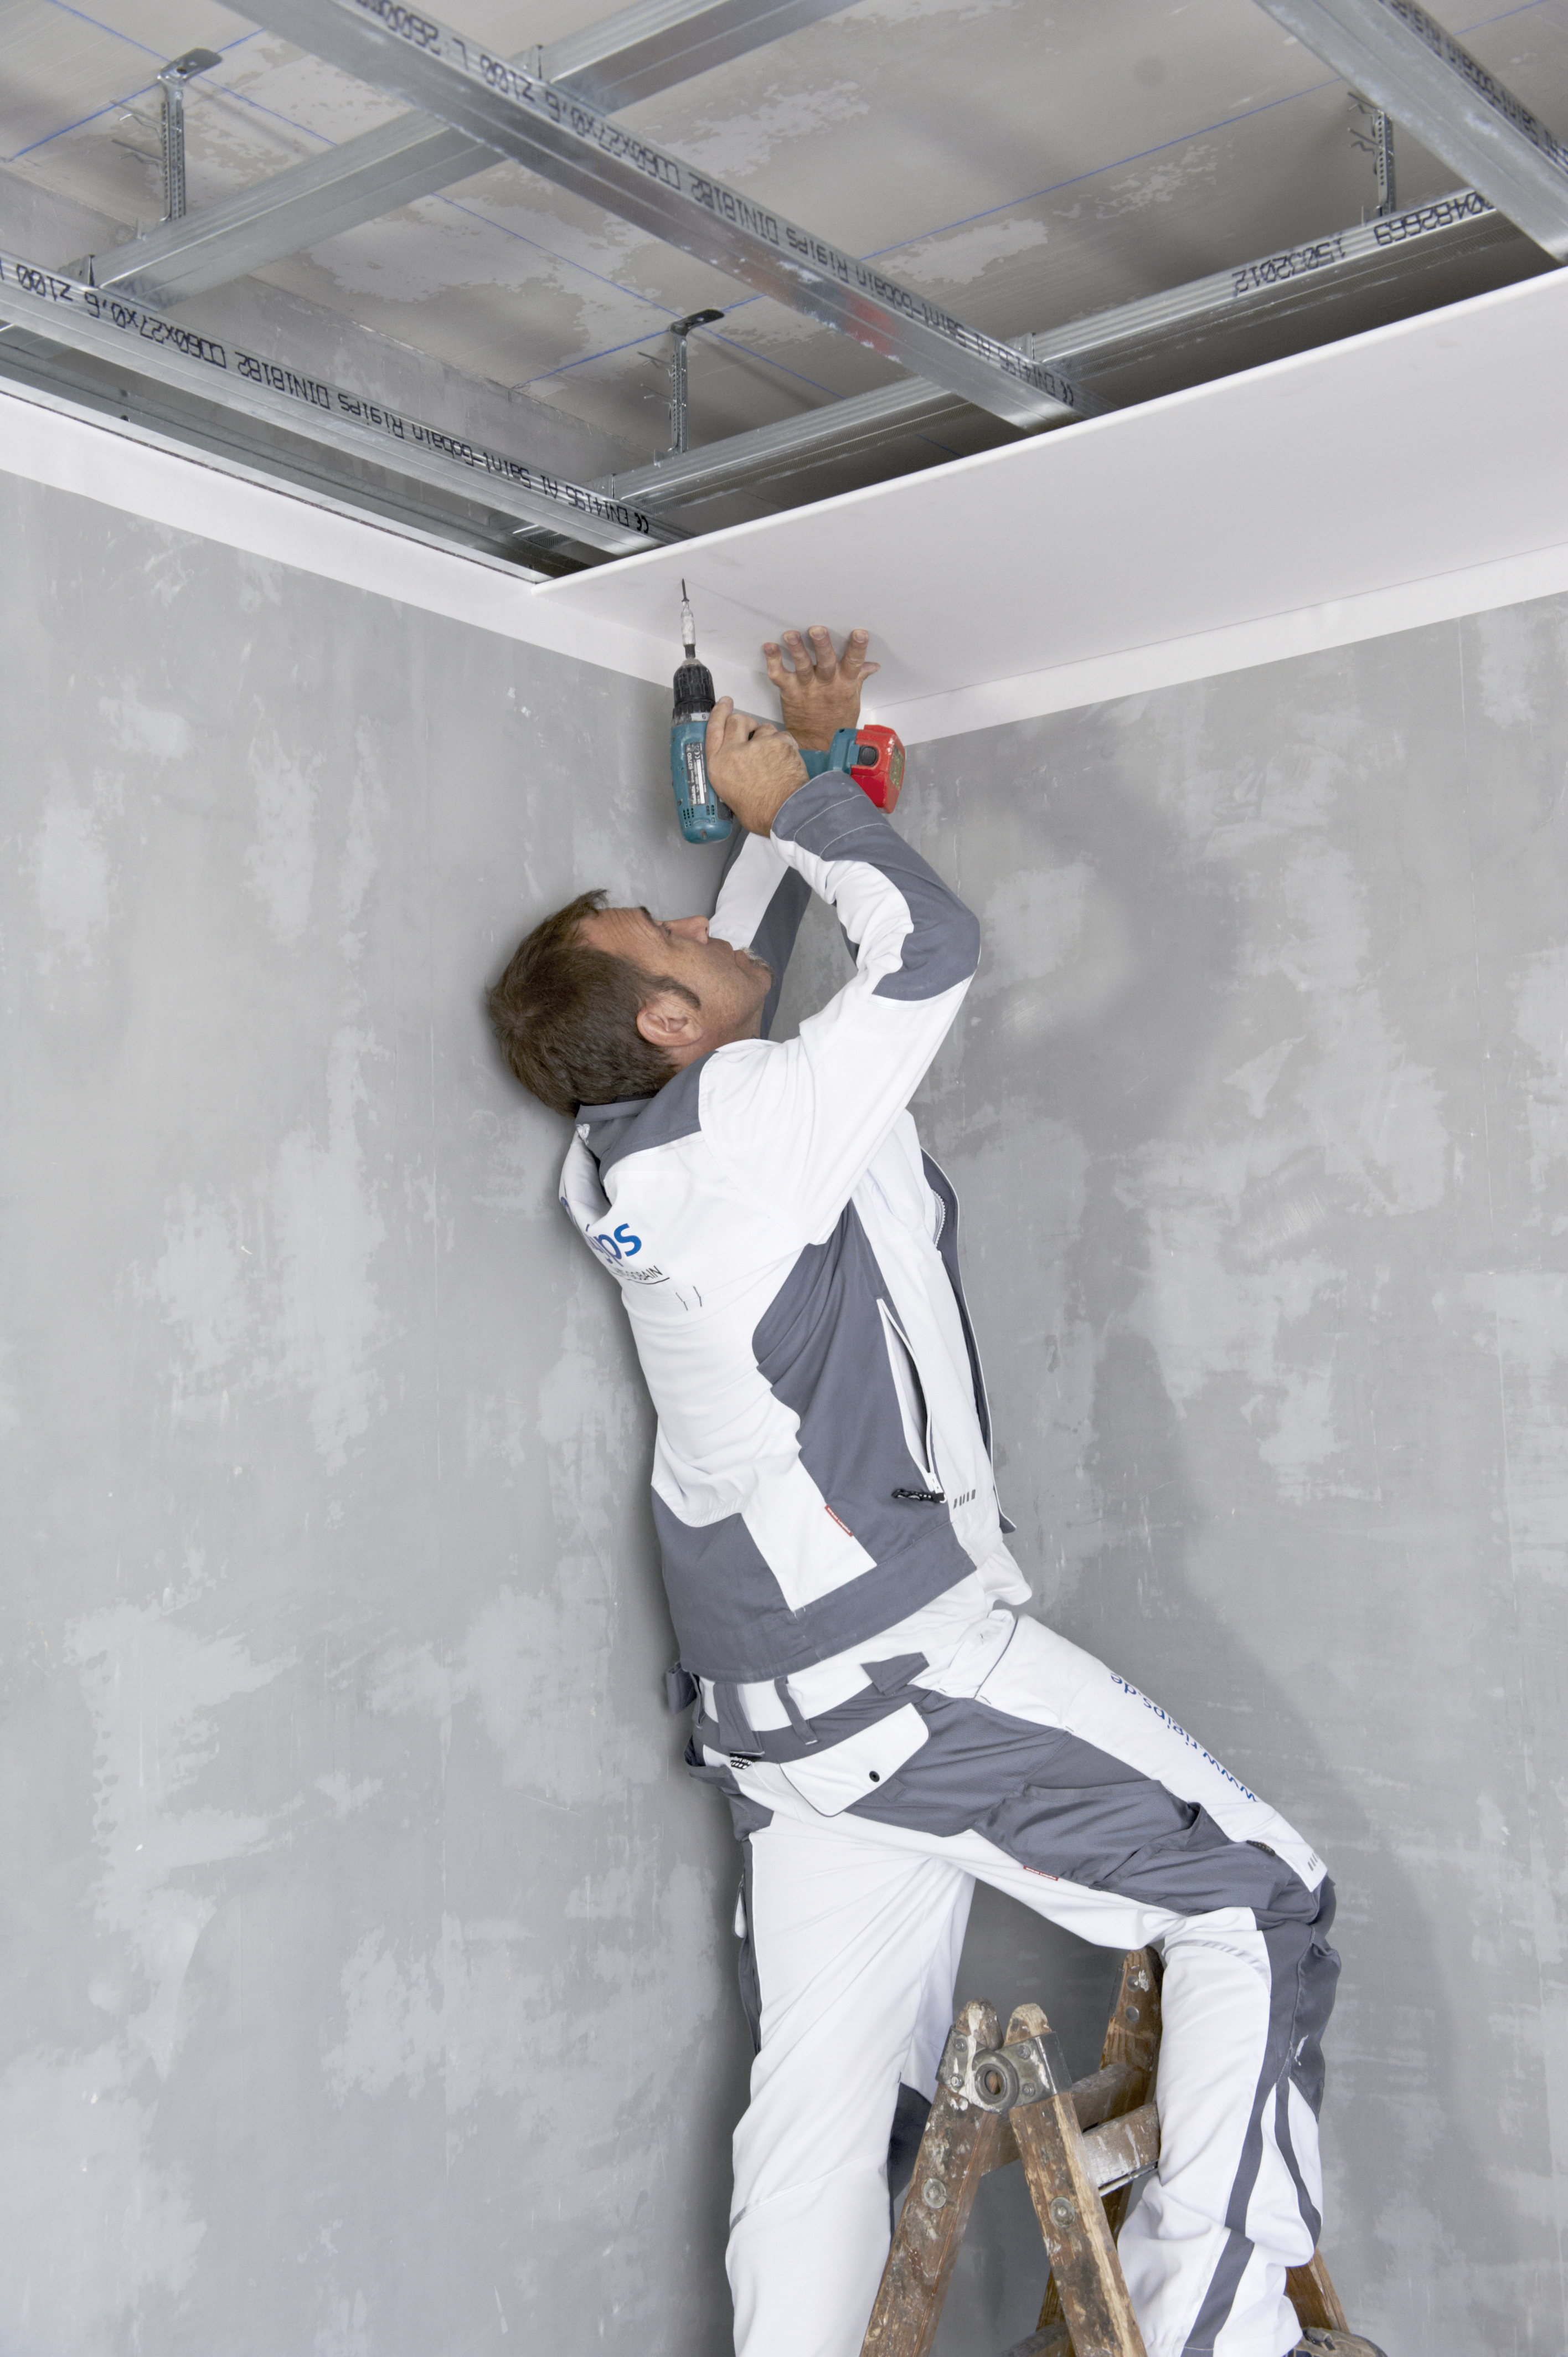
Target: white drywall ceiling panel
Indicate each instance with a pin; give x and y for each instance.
(1412, 474)
(1029, 578)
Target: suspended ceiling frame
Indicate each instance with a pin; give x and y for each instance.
(1398, 54)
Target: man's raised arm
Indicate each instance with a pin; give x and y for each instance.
(800, 1123)
(762, 898)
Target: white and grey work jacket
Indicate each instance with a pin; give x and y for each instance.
(788, 1258)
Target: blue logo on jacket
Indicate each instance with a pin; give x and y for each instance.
(621, 1246)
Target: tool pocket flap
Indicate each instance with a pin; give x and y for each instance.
(860, 1764)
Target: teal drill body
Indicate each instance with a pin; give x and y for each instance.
(703, 818)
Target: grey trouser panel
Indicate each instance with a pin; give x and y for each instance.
(1060, 1807)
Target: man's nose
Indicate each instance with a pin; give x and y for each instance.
(691, 929)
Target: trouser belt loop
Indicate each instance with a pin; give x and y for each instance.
(796, 1718)
(736, 1734)
(681, 1688)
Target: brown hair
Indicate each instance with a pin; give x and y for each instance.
(566, 1016)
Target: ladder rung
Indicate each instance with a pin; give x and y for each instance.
(1122, 2149)
(1093, 2100)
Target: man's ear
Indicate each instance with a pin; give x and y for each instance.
(669, 1021)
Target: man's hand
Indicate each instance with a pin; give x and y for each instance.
(752, 764)
(822, 694)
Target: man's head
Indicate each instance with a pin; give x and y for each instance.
(599, 1004)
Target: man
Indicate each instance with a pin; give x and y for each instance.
(883, 1726)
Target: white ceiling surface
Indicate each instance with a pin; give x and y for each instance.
(1009, 583)
(1026, 163)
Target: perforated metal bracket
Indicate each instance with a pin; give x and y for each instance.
(995, 2078)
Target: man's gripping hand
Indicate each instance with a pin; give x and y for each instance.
(753, 765)
(822, 694)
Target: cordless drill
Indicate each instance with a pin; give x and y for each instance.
(703, 818)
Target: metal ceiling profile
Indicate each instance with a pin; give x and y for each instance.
(1409, 64)
(637, 53)
(1275, 284)
(565, 141)
(111, 326)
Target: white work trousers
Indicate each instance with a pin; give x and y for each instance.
(855, 1924)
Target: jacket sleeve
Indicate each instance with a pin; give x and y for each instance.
(798, 1123)
(761, 902)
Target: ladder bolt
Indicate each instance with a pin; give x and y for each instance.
(933, 2193)
(1062, 2210)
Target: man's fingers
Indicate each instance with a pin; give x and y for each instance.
(775, 661)
(728, 727)
(823, 651)
(853, 664)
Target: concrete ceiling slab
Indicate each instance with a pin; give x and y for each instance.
(1025, 163)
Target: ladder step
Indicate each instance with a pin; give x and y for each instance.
(1054, 2341)
(1120, 2149)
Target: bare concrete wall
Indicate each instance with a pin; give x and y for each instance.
(1259, 1110)
(368, 1985)
(369, 1991)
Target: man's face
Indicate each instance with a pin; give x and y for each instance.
(728, 984)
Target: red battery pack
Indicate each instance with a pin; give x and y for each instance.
(877, 765)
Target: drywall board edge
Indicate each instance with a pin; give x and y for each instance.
(125, 468)
(1412, 474)
(1241, 646)
(1359, 488)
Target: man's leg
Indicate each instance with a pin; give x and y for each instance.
(853, 1943)
(1060, 1784)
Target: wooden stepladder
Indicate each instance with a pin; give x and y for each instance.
(1081, 2145)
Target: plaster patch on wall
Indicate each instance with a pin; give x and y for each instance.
(138, 727)
(966, 254)
(1528, 1309)
(153, 1688)
(198, 1280)
(1340, 1123)
(70, 876)
(1541, 1021)
(909, 12)
(1505, 676)
(366, 808)
(1159, 184)
(280, 866)
(329, 1230)
(346, 1798)
(734, 147)
(1058, 951)
(345, 2332)
(469, 2014)
(93, 2223)
(467, 2011)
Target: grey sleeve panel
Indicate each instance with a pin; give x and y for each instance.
(832, 819)
(774, 941)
